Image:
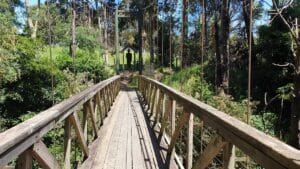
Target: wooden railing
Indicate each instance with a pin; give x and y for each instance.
(263, 149)
(24, 141)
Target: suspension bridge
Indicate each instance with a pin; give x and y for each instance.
(116, 126)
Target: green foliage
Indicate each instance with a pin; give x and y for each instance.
(265, 122)
(189, 82)
(286, 92)
(87, 38)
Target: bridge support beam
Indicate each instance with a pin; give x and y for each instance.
(210, 152)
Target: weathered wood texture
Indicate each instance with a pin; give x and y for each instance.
(43, 156)
(17, 141)
(126, 140)
(265, 150)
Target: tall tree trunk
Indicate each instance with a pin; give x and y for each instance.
(152, 11)
(203, 48)
(246, 16)
(218, 70)
(32, 26)
(170, 40)
(295, 116)
(224, 43)
(73, 39)
(140, 29)
(105, 36)
(184, 34)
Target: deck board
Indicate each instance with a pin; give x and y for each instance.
(125, 139)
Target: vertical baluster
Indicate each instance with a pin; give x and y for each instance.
(173, 121)
(229, 156)
(106, 100)
(189, 160)
(158, 106)
(153, 100)
(67, 144)
(164, 117)
(25, 160)
(85, 120)
(110, 94)
(98, 100)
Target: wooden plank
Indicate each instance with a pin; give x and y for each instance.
(25, 160)
(79, 132)
(99, 148)
(91, 112)
(264, 149)
(183, 119)
(189, 161)
(44, 157)
(67, 144)
(210, 152)
(229, 156)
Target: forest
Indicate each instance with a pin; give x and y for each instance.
(239, 56)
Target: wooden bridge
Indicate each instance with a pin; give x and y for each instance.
(120, 127)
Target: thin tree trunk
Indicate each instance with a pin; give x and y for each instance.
(151, 35)
(73, 39)
(184, 54)
(203, 48)
(140, 29)
(246, 16)
(100, 32)
(170, 41)
(224, 40)
(218, 70)
(105, 37)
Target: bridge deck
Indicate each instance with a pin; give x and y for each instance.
(126, 139)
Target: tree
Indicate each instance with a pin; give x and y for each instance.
(288, 18)
(184, 34)
(224, 46)
(33, 25)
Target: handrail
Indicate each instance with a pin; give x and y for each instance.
(23, 136)
(265, 150)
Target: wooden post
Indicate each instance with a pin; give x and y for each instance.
(46, 160)
(164, 117)
(148, 93)
(229, 156)
(79, 132)
(158, 113)
(189, 159)
(183, 119)
(67, 144)
(85, 121)
(173, 115)
(98, 100)
(92, 113)
(155, 91)
(104, 101)
(25, 160)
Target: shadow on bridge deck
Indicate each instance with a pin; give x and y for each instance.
(127, 138)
